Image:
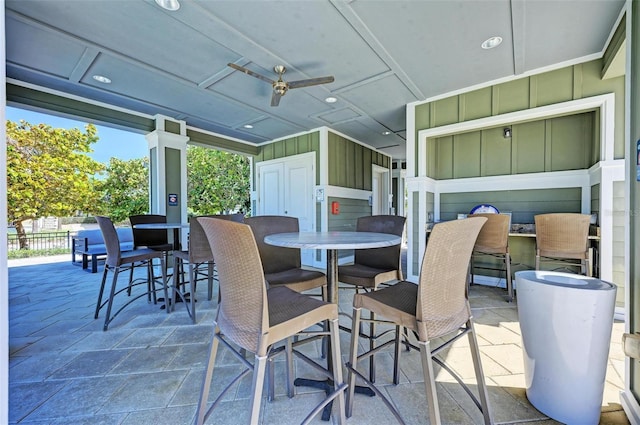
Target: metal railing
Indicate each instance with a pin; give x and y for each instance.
(41, 241)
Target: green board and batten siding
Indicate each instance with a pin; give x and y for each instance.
(304, 143)
(349, 165)
(553, 144)
(562, 85)
(557, 144)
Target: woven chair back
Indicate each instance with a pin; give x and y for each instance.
(199, 248)
(111, 241)
(275, 259)
(494, 235)
(380, 258)
(243, 311)
(563, 235)
(442, 305)
(148, 237)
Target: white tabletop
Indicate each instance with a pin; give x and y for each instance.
(162, 226)
(333, 240)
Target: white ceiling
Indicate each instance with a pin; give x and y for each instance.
(383, 55)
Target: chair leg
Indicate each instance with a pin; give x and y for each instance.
(130, 279)
(209, 280)
(510, 292)
(107, 318)
(334, 330)
(477, 365)
(104, 280)
(206, 385)
(353, 360)
(163, 270)
(396, 357)
(151, 284)
(372, 345)
(175, 279)
(192, 291)
(271, 377)
(290, 374)
(259, 368)
(429, 382)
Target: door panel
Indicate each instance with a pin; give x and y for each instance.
(298, 192)
(271, 189)
(286, 188)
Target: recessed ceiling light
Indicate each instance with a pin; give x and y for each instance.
(386, 133)
(492, 42)
(247, 126)
(331, 99)
(102, 79)
(171, 5)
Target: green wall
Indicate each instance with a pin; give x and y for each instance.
(296, 145)
(522, 204)
(172, 182)
(557, 144)
(350, 163)
(535, 146)
(562, 85)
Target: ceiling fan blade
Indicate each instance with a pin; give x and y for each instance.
(250, 72)
(310, 82)
(275, 99)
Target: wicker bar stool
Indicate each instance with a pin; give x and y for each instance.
(254, 318)
(373, 267)
(493, 241)
(562, 239)
(437, 307)
(198, 257)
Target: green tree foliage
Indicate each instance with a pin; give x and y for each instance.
(49, 172)
(125, 191)
(217, 182)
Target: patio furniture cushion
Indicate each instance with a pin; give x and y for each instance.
(90, 244)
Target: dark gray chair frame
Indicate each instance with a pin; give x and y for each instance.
(118, 261)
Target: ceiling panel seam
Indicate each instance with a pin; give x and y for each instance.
(372, 41)
(82, 66)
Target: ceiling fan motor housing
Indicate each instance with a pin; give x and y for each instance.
(280, 87)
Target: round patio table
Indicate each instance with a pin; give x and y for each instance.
(332, 242)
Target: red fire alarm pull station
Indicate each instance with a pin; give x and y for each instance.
(335, 208)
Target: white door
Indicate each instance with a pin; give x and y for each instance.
(286, 188)
(380, 191)
(271, 198)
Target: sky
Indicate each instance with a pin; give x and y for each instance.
(121, 144)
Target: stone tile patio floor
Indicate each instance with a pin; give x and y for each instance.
(147, 368)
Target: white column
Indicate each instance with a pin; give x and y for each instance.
(168, 171)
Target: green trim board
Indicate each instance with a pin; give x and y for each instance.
(217, 142)
(615, 51)
(23, 96)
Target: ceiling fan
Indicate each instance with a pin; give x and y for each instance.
(280, 87)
